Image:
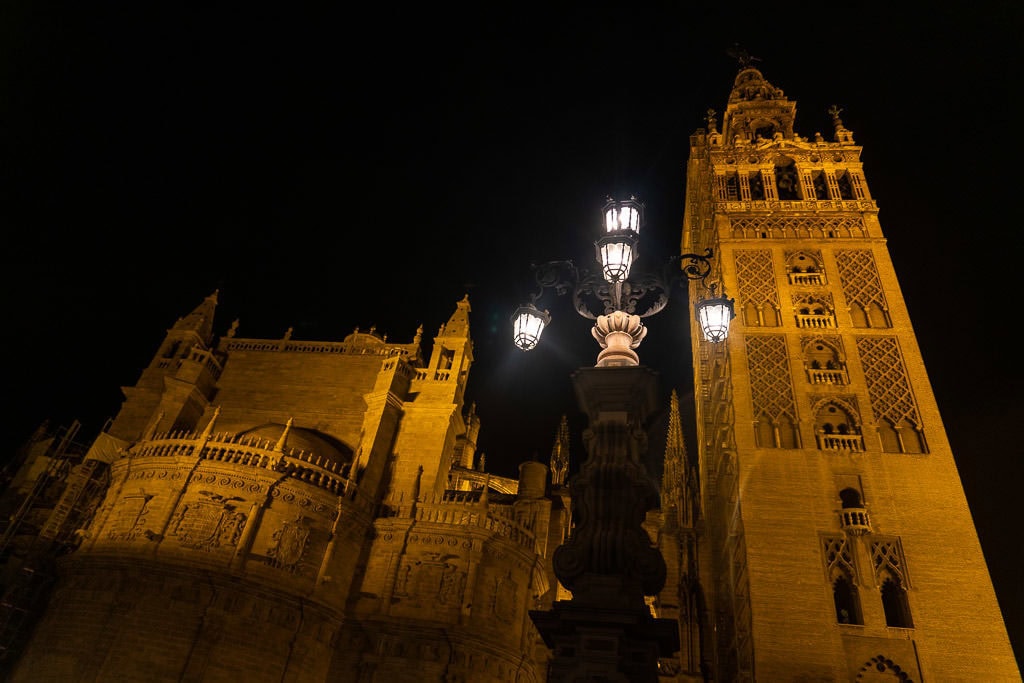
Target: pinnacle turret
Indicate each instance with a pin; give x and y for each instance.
(560, 454)
(200, 320)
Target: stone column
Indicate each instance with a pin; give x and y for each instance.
(606, 631)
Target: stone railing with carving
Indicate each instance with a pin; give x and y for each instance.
(311, 347)
(806, 278)
(470, 508)
(827, 376)
(841, 442)
(400, 367)
(815, 322)
(436, 375)
(855, 521)
(251, 451)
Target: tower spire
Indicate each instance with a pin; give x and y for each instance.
(200, 320)
(208, 431)
(674, 472)
(284, 436)
(560, 454)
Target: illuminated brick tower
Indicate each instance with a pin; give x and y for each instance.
(838, 542)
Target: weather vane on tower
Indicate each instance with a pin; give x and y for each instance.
(744, 58)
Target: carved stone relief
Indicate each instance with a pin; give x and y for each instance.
(288, 544)
(210, 522)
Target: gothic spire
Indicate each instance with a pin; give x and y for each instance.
(208, 431)
(674, 473)
(200, 320)
(560, 454)
(279, 446)
(458, 324)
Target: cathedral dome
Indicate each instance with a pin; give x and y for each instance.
(311, 441)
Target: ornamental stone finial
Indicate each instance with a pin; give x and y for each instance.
(618, 334)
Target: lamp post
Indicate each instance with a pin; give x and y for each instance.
(606, 632)
(616, 302)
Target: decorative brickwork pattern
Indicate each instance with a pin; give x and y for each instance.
(859, 278)
(887, 559)
(798, 227)
(838, 556)
(770, 385)
(887, 381)
(756, 279)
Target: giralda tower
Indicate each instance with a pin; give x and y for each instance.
(837, 541)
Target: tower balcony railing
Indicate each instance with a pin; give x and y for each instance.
(841, 442)
(829, 376)
(807, 279)
(855, 521)
(815, 321)
(436, 375)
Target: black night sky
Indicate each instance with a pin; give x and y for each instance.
(340, 168)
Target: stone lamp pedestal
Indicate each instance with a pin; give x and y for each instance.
(606, 632)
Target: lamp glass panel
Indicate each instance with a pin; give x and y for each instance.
(527, 328)
(622, 218)
(714, 317)
(616, 259)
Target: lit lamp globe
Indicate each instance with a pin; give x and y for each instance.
(714, 315)
(617, 248)
(528, 323)
(616, 252)
(622, 215)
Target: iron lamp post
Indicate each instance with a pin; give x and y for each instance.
(615, 302)
(606, 631)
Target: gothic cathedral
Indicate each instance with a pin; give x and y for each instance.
(297, 510)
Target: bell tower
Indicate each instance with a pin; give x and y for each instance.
(837, 543)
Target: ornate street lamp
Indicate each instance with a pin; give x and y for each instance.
(614, 301)
(714, 315)
(608, 562)
(527, 324)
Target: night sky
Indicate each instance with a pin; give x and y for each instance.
(330, 170)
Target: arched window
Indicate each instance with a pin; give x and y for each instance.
(820, 185)
(895, 605)
(803, 269)
(845, 186)
(847, 604)
(756, 186)
(787, 182)
(836, 427)
(788, 432)
(850, 498)
(911, 438)
(172, 349)
(764, 130)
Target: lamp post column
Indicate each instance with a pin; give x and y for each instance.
(606, 631)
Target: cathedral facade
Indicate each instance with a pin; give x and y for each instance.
(292, 510)
(269, 510)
